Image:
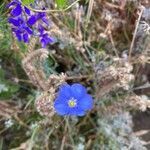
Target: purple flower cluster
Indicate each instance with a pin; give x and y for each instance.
(26, 23)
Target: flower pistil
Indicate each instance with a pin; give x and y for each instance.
(72, 102)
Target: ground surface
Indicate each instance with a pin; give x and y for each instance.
(141, 123)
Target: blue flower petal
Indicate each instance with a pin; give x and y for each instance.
(43, 43)
(40, 15)
(44, 19)
(32, 20)
(27, 10)
(81, 113)
(78, 90)
(50, 39)
(65, 91)
(17, 10)
(28, 30)
(18, 35)
(86, 103)
(45, 39)
(41, 29)
(25, 38)
(61, 99)
(14, 21)
(60, 108)
(76, 111)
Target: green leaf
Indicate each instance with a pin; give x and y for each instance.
(27, 2)
(7, 88)
(61, 3)
(2, 74)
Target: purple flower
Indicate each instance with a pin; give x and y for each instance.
(24, 22)
(17, 8)
(40, 16)
(44, 37)
(73, 100)
(21, 30)
(15, 5)
(32, 20)
(18, 21)
(27, 11)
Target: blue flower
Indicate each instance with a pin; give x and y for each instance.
(73, 100)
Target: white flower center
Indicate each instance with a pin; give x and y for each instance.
(72, 102)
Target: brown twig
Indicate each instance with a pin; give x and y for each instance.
(135, 31)
(64, 138)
